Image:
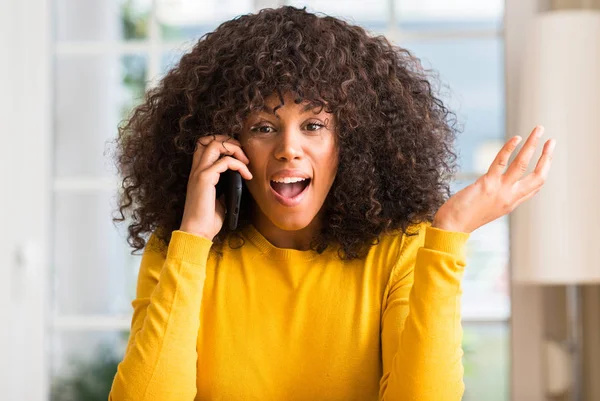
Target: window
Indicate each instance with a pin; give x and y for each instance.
(107, 53)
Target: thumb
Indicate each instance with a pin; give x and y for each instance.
(220, 207)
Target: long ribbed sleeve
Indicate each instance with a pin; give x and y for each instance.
(162, 344)
(421, 321)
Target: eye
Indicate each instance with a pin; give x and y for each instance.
(262, 129)
(316, 126)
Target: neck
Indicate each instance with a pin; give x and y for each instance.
(287, 239)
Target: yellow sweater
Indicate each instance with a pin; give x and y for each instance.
(266, 323)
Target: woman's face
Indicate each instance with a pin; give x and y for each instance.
(293, 160)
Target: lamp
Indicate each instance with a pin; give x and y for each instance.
(555, 234)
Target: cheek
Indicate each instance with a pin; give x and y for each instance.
(256, 155)
(329, 163)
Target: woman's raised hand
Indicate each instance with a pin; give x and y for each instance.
(203, 213)
(497, 193)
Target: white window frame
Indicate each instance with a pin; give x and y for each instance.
(25, 204)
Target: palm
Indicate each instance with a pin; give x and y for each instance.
(497, 193)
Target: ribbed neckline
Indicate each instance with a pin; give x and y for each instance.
(273, 252)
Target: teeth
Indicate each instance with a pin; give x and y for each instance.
(289, 180)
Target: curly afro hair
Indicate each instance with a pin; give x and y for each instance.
(395, 136)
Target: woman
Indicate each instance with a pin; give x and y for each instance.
(342, 280)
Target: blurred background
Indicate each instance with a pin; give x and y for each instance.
(72, 70)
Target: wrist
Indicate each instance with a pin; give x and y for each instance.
(447, 225)
(196, 232)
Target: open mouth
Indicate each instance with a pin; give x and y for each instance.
(290, 190)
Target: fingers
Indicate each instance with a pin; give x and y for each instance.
(501, 160)
(525, 198)
(211, 148)
(518, 167)
(534, 181)
(207, 139)
(228, 163)
(543, 165)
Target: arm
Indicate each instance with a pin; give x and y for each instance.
(421, 328)
(160, 359)
(421, 325)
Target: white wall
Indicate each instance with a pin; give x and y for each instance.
(539, 312)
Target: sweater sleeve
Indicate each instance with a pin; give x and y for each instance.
(421, 330)
(160, 359)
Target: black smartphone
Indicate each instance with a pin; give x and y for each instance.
(230, 184)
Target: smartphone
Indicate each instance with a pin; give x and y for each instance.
(230, 184)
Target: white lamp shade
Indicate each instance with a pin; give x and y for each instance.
(555, 236)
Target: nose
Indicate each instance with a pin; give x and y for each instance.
(289, 145)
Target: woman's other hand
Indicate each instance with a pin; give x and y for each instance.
(497, 193)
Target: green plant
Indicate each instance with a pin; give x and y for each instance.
(91, 381)
(134, 20)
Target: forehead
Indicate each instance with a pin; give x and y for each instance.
(274, 104)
